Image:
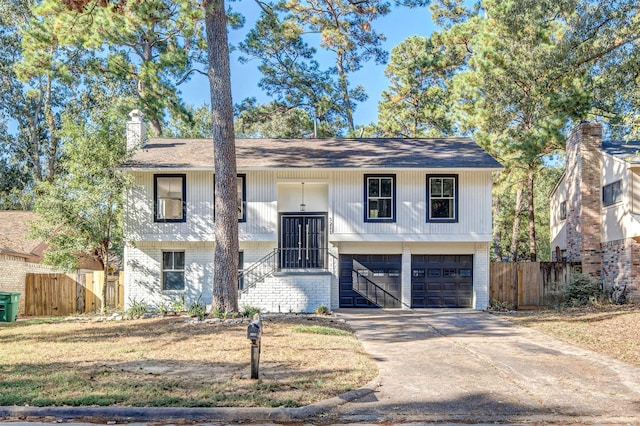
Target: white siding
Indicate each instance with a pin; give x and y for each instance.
(269, 192)
(617, 221)
(345, 194)
(557, 226)
(474, 209)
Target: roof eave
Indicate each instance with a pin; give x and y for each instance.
(266, 168)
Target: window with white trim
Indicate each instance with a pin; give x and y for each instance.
(380, 198)
(563, 210)
(173, 270)
(169, 195)
(442, 198)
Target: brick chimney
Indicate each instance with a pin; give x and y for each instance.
(583, 178)
(136, 131)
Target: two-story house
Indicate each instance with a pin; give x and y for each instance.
(403, 223)
(595, 208)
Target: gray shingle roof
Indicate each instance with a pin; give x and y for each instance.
(625, 150)
(318, 153)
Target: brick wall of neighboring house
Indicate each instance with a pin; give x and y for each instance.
(621, 266)
(633, 285)
(616, 263)
(13, 274)
(583, 197)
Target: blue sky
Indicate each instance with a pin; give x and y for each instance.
(399, 24)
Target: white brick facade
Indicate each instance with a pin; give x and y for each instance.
(284, 293)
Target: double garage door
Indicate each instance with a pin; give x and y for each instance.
(437, 281)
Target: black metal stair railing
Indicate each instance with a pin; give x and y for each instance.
(257, 273)
(372, 291)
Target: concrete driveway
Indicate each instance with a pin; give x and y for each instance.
(436, 366)
(470, 366)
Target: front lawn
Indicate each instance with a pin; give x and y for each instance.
(608, 329)
(174, 362)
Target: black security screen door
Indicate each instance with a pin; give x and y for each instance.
(302, 241)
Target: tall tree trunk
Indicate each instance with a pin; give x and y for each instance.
(344, 87)
(533, 253)
(497, 230)
(225, 282)
(52, 154)
(515, 231)
(105, 279)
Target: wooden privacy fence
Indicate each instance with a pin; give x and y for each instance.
(528, 284)
(64, 294)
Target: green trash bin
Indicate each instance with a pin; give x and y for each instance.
(9, 305)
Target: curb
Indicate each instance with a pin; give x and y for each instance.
(200, 414)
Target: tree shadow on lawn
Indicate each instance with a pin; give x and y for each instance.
(479, 407)
(577, 315)
(172, 329)
(165, 382)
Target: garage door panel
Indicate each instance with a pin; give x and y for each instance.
(382, 270)
(441, 281)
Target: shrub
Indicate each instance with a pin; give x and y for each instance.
(137, 308)
(220, 314)
(163, 308)
(581, 290)
(499, 306)
(322, 310)
(178, 305)
(249, 311)
(197, 309)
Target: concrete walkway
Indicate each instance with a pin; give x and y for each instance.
(470, 366)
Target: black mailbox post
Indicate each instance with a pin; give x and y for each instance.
(254, 333)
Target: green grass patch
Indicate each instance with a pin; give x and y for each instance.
(165, 362)
(320, 329)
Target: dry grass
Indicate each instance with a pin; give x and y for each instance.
(608, 329)
(169, 362)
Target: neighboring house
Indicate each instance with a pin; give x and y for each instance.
(20, 255)
(595, 208)
(403, 223)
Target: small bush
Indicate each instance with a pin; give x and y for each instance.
(162, 308)
(197, 309)
(220, 314)
(178, 305)
(581, 290)
(322, 310)
(249, 311)
(137, 309)
(500, 306)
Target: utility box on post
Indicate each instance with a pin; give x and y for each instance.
(254, 333)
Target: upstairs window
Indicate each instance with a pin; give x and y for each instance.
(173, 270)
(380, 198)
(442, 198)
(563, 210)
(170, 195)
(242, 197)
(612, 193)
